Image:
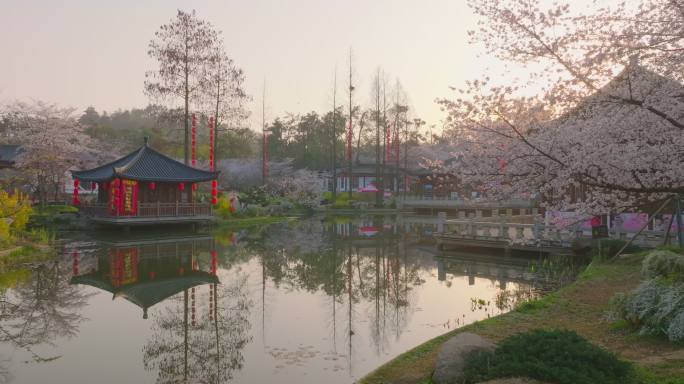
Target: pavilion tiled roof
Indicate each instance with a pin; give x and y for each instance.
(145, 164)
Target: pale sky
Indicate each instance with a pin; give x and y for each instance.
(87, 52)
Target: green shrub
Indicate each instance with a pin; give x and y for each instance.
(610, 247)
(342, 203)
(557, 356)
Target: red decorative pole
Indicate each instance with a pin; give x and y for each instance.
(75, 198)
(388, 143)
(396, 144)
(214, 183)
(194, 141)
(211, 143)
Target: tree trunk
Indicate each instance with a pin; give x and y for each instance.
(186, 148)
(216, 113)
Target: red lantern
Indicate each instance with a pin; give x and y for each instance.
(214, 184)
(214, 192)
(194, 186)
(151, 186)
(93, 185)
(181, 186)
(214, 201)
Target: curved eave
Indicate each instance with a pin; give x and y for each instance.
(208, 177)
(83, 176)
(146, 295)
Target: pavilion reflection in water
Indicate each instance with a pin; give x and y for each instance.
(147, 272)
(199, 338)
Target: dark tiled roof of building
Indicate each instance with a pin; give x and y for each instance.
(145, 164)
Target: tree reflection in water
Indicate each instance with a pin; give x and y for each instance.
(362, 266)
(206, 348)
(40, 310)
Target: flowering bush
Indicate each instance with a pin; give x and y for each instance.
(656, 306)
(15, 210)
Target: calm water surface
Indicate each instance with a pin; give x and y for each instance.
(322, 300)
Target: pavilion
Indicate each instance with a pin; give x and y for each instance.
(145, 187)
(147, 272)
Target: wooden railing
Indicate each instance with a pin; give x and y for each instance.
(152, 210)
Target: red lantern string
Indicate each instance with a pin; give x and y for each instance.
(192, 299)
(211, 143)
(214, 192)
(75, 198)
(213, 262)
(211, 303)
(74, 264)
(214, 184)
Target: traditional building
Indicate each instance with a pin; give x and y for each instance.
(145, 187)
(8, 155)
(364, 178)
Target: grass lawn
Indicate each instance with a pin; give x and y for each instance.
(580, 307)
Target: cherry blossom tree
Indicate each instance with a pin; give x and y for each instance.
(302, 186)
(52, 142)
(604, 124)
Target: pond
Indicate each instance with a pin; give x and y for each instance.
(326, 299)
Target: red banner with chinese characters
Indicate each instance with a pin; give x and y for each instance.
(123, 266)
(129, 199)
